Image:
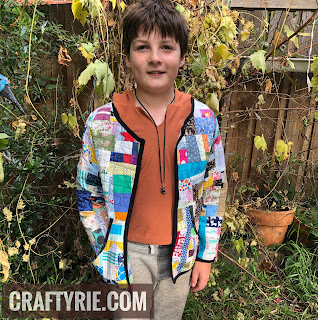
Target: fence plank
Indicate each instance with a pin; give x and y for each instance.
(275, 4)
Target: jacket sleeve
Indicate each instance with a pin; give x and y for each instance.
(90, 198)
(213, 200)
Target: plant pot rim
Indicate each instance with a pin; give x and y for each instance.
(271, 218)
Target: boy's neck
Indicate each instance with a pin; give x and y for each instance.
(154, 102)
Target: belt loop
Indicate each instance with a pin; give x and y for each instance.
(151, 248)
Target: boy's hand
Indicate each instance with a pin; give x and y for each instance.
(201, 271)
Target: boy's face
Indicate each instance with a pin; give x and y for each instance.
(154, 62)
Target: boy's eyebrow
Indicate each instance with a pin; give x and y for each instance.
(146, 41)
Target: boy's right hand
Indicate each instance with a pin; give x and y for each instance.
(200, 275)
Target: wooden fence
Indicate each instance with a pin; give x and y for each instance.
(288, 112)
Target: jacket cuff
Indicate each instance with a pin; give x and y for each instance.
(206, 261)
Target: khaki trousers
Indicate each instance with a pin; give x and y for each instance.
(151, 264)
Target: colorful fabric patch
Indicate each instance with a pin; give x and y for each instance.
(182, 156)
(193, 154)
(117, 157)
(122, 184)
(211, 211)
(191, 169)
(121, 202)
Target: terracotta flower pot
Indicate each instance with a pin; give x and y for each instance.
(271, 226)
(302, 232)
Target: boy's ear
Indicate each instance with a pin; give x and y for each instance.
(128, 64)
(182, 60)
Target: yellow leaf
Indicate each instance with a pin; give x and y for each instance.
(20, 204)
(71, 120)
(114, 3)
(223, 51)
(78, 12)
(123, 5)
(245, 35)
(64, 118)
(260, 142)
(5, 265)
(282, 150)
(86, 55)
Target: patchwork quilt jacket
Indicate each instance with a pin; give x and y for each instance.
(107, 180)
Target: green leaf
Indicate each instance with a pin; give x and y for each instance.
(104, 75)
(4, 136)
(1, 169)
(78, 12)
(238, 245)
(3, 143)
(316, 115)
(89, 47)
(260, 142)
(64, 118)
(71, 121)
(226, 292)
(314, 84)
(258, 60)
(289, 32)
(86, 74)
(314, 66)
(291, 64)
(50, 86)
(261, 99)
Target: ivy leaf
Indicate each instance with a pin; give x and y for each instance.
(1, 169)
(71, 121)
(78, 12)
(260, 142)
(289, 32)
(316, 115)
(64, 118)
(258, 60)
(86, 74)
(314, 66)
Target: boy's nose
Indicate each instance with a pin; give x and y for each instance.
(154, 57)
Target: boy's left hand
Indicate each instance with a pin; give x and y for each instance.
(200, 275)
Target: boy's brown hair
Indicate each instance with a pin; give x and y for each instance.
(159, 15)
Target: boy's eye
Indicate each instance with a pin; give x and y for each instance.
(141, 47)
(166, 47)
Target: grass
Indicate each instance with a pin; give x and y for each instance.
(236, 295)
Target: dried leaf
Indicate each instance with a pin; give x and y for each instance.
(63, 57)
(234, 176)
(278, 38)
(268, 85)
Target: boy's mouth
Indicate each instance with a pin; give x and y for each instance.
(156, 72)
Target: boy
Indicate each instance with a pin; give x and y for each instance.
(151, 178)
